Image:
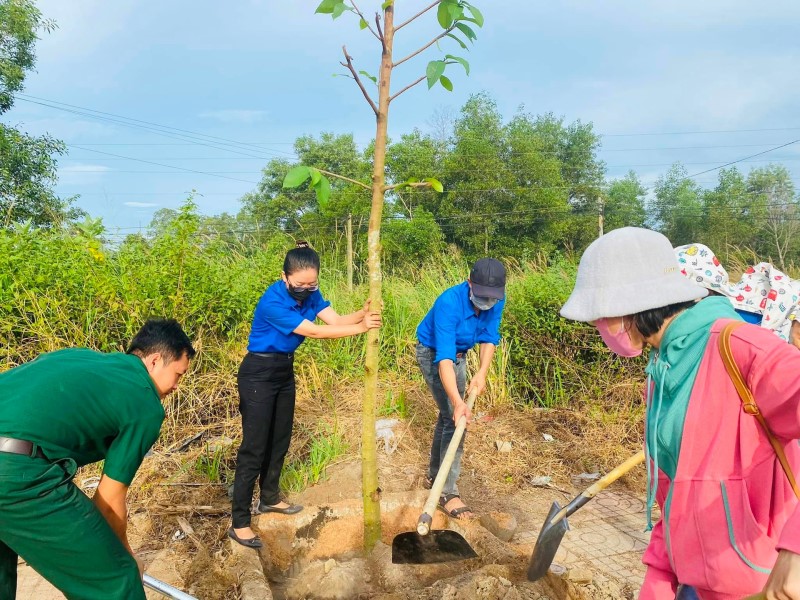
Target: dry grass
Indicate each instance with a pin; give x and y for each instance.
(593, 434)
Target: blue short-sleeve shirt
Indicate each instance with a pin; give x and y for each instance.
(452, 326)
(276, 317)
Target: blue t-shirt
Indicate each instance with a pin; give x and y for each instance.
(451, 325)
(276, 317)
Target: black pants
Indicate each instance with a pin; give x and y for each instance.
(266, 401)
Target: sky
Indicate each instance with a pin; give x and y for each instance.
(704, 83)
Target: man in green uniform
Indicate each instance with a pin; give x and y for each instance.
(64, 410)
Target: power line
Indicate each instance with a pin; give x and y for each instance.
(701, 132)
(199, 141)
(744, 159)
(226, 141)
(170, 166)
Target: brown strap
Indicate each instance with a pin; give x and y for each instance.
(748, 401)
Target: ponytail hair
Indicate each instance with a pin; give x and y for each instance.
(301, 257)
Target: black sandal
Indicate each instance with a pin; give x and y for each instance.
(456, 512)
(253, 542)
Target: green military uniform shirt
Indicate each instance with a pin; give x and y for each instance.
(84, 405)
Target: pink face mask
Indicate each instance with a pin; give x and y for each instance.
(620, 342)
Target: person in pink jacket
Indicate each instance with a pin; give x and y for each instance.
(730, 523)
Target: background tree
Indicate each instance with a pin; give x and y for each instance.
(28, 165)
(772, 194)
(456, 18)
(729, 215)
(624, 203)
(677, 210)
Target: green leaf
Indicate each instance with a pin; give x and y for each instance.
(456, 12)
(323, 190)
(338, 10)
(443, 14)
(370, 77)
(326, 6)
(460, 60)
(435, 184)
(434, 72)
(387, 4)
(296, 176)
(476, 14)
(467, 31)
(446, 83)
(363, 24)
(460, 43)
(315, 176)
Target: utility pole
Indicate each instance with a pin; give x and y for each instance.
(600, 215)
(350, 252)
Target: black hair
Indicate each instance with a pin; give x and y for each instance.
(165, 336)
(648, 322)
(301, 257)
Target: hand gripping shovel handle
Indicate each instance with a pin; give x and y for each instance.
(166, 589)
(598, 487)
(426, 518)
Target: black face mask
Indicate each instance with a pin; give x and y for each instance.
(299, 294)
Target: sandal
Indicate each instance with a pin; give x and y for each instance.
(253, 542)
(456, 512)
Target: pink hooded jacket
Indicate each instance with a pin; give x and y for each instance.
(732, 507)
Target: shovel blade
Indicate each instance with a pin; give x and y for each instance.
(437, 547)
(547, 544)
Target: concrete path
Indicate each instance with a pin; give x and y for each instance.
(606, 536)
(31, 586)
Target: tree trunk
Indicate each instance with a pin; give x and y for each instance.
(350, 253)
(369, 463)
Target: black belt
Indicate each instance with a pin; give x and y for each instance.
(288, 356)
(24, 447)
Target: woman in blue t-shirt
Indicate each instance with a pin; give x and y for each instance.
(283, 318)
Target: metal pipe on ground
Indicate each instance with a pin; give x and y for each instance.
(166, 589)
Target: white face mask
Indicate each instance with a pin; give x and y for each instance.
(482, 302)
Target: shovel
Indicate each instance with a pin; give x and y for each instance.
(165, 589)
(555, 525)
(423, 546)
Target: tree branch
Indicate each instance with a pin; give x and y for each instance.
(380, 32)
(417, 184)
(342, 177)
(349, 65)
(419, 14)
(408, 87)
(425, 47)
(360, 14)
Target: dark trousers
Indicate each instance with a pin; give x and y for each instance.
(266, 402)
(445, 427)
(48, 521)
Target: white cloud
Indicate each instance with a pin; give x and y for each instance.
(233, 115)
(141, 204)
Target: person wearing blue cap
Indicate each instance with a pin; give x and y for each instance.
(464, 315)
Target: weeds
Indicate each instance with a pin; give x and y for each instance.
(394, 405)
(326, 445)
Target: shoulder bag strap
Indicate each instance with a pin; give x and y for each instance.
(748, 401)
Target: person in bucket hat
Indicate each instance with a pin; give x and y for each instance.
(764, 295)
(730, 524)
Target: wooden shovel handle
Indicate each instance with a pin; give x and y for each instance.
(426, 518)
(599, 486)
(759, 596)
